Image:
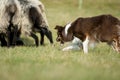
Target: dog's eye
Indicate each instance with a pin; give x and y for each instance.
(59, 36)
(114, 41)
(58, 33)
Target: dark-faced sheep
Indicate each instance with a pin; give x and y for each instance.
(10, 12)
(34, 20)
(27, 15)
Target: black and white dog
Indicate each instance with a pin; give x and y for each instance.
(102, 28)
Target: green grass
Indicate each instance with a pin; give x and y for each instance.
(49, 62)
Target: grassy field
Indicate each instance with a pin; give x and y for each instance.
(49, 62)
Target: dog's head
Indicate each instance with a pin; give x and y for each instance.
(59, 34)
(61, 37)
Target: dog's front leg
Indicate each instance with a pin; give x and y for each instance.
(85, 45)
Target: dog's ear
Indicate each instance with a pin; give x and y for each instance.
(56, 27)
(59, 28)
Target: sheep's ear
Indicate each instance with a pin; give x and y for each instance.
(42, 8)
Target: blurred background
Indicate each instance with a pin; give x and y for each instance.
(49, 62)
(61, 12)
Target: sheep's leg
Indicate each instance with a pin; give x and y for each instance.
(42, 38)
(48, 34)
(8, 35)
(8, 38)
(35, 38)
(19, 41)
(14, 35)
(3, 41)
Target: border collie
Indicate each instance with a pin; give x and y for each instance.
(102, 28)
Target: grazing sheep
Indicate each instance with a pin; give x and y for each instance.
(27, 15)
(18, 42)
(9, 20)
(34, 20)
